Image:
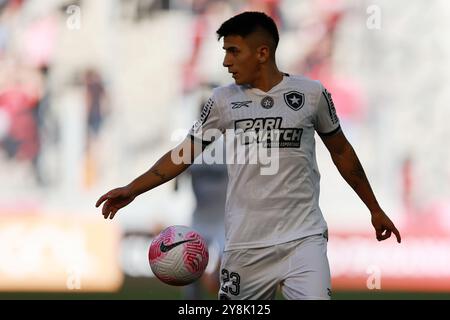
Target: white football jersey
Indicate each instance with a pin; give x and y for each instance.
(267, 209)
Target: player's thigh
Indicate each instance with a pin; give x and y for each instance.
(248, 275)
(308, 271)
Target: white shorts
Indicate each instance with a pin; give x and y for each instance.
(300, 267)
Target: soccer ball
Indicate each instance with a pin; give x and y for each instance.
(178, 255)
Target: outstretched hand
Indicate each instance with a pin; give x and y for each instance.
(115, 200)
(384, 227)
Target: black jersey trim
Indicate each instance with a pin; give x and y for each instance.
(327, 134)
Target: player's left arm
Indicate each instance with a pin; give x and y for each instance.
(349, 166)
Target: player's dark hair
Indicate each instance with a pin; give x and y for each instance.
(248, 22)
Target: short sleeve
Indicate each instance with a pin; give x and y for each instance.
(209, 125)
(326, 120)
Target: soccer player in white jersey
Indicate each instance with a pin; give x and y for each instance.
(275, 232)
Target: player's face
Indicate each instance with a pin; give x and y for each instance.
(240, 60)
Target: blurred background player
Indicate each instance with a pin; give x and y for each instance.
(209, 185)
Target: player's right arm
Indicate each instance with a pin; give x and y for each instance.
(166, 168)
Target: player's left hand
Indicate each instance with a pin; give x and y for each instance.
(384, 226)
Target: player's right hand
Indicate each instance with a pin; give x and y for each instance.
(115, 200)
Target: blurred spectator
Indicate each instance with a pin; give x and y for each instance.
(19, 97)
(96, 110)
(95, 102)
(46, 123)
